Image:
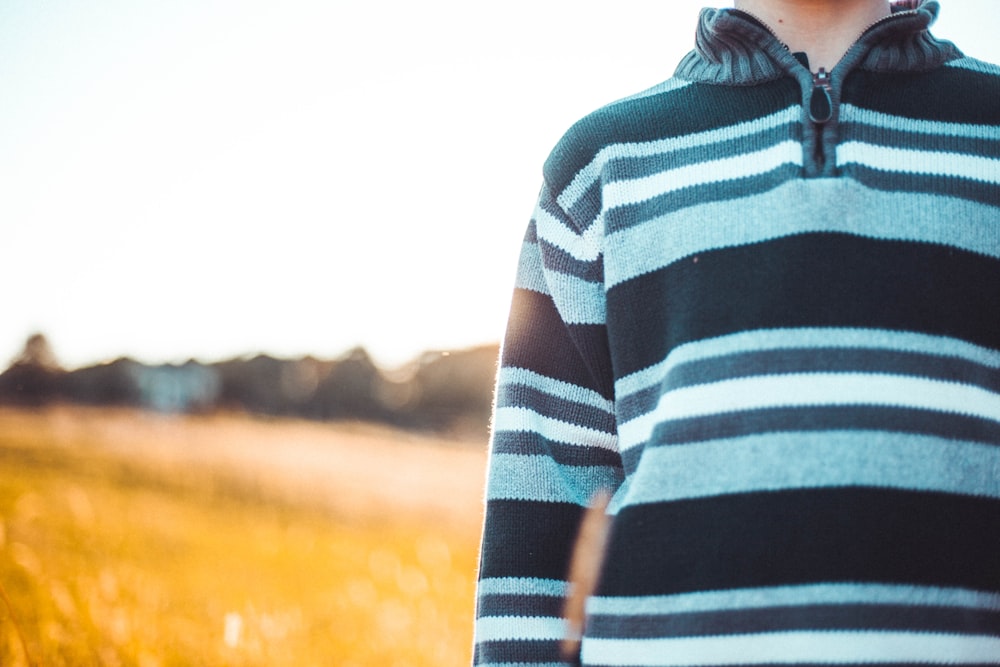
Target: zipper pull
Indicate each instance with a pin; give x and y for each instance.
(820, 104)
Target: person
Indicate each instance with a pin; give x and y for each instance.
(759, 305)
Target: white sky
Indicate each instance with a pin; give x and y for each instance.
(209, 178)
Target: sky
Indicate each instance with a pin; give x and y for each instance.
(215, 178)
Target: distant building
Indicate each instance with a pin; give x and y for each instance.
(191, 387)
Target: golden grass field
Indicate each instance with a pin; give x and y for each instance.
(135, 539)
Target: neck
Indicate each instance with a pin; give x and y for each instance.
(823, 29)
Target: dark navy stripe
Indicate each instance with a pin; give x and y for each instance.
(944, 94)
(882, 136)
(962, 188)
(623, 217)
(525, 652)
(513, 395)
(791, 618)
(531, 233)
(809, 280)
(828, 418)
(528, 539)
(688, 110)
(804, 536)
(527, 443)
(586, 208)
(559, 260)
(592, 341)
(537, 339)
(638, 402)
(521, 605)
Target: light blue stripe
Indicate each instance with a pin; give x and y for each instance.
(579, 301)
(852, 114)
(557, 388)
(778, 339)
(541, 479)
(530, 271)
(843, 647)
(524, 628)
(522, 586)
(783, 596)
(583, 246)
(667, 86)
(775, 461)
(586, 177)
(801, 206)
(847, 338)
(975, 65)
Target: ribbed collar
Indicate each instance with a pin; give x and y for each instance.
(733, 48)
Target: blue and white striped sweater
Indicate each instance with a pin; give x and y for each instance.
(778, 343)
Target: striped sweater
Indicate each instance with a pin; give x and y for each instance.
(763, 310)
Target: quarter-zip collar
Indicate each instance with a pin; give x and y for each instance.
(734, 48)
(737, 49)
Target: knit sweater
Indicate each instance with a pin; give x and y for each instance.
(763, 310)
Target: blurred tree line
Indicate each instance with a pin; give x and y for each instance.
(439, 391)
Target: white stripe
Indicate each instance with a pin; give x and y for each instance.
(584, 247)
(558, 388)
(787, 339)
(506, 628)
(590, 173)
(937, 163)
(783, 596)
(852, 114)
(813, 389)
(621, 193)
(523, 419)
(800, 389)
(842, 647)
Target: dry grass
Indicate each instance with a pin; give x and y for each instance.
(128, 539)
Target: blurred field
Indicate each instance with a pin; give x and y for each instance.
(133, 539)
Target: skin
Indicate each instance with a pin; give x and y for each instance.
(823, 29)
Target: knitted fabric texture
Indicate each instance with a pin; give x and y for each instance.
(776, 342)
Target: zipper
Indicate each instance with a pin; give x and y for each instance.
(820, 112)
(763, 24)
(820, 105)
(891, 15)
(821, 100)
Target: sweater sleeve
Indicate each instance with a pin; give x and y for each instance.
(554, 443)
